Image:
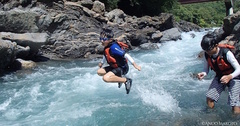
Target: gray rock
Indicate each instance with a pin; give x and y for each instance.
(116, 16)
(7, 53)
(33, 40)
(98, 7)
(236, 28)
(149, 46)
(230, 21)
(157, 35)
(171, 34)
(26, 64)
(18, 21)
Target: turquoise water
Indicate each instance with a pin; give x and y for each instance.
(70, 93)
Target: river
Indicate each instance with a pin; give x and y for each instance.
(70, 93)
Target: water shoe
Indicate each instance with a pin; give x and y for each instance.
(128, 85)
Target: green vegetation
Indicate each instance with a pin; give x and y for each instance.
(236, 6)
(208, 14)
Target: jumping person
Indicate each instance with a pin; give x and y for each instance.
(227, 70)
(117, 59)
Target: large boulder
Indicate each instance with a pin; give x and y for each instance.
(98, 7)
(171, 34)
(7, 53)
(230, 21)
(18, 21)
(33, 41)
(116, 16)
(187, 26)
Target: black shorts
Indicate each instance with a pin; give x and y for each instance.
(117, 71)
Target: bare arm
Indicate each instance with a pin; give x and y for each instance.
(205, 71)
(130, 59)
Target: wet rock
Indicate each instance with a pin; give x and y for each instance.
(171, 34)
(7, 53)
(26, 64)
(149, 46)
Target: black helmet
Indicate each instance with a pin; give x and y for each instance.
(208, 42)
(107, 33)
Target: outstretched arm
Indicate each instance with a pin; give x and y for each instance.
(130, 59)
(136, 66)
(201, 75)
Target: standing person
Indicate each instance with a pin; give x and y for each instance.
(229, 7)
(227, 70)
(117, 59)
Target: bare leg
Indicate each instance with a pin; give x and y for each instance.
(111, 77)
(101, 72)
(210, 103)
(236, 109)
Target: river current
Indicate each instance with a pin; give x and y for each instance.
(70, 93)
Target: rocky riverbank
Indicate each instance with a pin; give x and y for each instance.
(61, 29)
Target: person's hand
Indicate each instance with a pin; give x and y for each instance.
(100, 65)
(200, 76)
(225, 79)
(137, 67)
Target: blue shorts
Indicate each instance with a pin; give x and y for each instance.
(217, 87)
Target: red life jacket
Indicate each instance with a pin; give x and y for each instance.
(110, 59)
(226, 46)
(220, 64)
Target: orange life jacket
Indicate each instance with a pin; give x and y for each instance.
(226, 46)
(112, 61)
(220, 64)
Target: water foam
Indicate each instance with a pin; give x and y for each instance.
(160, 99)
(5, 104)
